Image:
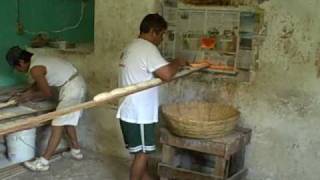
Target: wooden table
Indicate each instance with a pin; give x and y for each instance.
(228, 153)
(14, 115)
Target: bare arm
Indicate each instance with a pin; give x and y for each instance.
(41, 89)
(30, 89)
(167, 72)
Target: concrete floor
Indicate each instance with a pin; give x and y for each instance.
(92, 167)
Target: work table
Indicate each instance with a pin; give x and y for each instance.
(14, 115)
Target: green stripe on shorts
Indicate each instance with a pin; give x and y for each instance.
(138, 137)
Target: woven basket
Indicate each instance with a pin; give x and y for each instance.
(200, 119)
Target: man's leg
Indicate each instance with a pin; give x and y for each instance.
(72, 135)
(138, 137)
(42, 163)
(138, 170)
(56, 134)
(74, 143)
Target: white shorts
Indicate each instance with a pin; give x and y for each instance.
(72, 93)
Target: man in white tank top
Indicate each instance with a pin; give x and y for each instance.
(47, 72)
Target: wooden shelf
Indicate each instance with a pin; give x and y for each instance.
(222, 71)
(231, 72)
(226, 52)
(82, 48)
(200, 21)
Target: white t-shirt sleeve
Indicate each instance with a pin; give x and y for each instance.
(155, 60)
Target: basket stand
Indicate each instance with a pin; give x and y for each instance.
(226, 152)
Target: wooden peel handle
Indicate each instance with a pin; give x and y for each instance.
(7, 104)
(119, 92)
(30, 122)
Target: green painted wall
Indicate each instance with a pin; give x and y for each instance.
(41, 16)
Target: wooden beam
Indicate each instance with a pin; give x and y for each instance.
(10, 127)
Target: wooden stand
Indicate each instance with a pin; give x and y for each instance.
(228, 154)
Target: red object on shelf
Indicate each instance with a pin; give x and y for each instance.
(208, 42)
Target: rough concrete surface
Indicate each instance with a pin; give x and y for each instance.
(92, 167)
(282, 106)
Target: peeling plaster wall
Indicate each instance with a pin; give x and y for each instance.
(282, 104)
(282, 107)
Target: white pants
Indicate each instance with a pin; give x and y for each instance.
(72, 93)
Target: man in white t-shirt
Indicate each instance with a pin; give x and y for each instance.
(47, 72)
(138, 113)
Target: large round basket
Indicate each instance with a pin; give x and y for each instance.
(200, 119)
